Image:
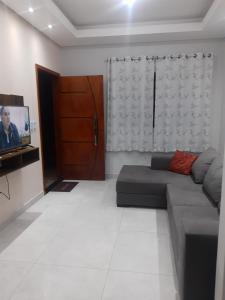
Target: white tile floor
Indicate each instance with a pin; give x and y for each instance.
(80, 246)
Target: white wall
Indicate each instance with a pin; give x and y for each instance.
(222, 135)
(91, 60)
(220, 272)
(21, 48)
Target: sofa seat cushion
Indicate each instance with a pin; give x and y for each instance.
(176, 216)
(177, 196)
(144, 180)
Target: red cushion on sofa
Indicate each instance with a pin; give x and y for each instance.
(182, 162)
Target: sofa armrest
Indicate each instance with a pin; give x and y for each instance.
(161, 160)
(203, 228)
(199, 260)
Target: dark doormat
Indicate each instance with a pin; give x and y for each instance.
(64, 186)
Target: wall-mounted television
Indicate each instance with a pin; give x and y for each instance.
(14, 127)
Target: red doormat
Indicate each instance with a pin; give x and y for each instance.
(64, 186)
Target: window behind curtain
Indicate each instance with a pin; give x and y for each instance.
(182, 114)
(183, 103)
(130, 104)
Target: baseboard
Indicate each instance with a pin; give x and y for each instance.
(111, 176)
(27, 205)
(32, 201)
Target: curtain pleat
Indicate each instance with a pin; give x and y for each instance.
(130, 105)
(183, 103)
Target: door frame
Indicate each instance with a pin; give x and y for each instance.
(55, 75)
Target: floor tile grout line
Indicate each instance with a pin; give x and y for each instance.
(108, 269)
(46, 245)
(71, 266)
(110, 260)
(33, 264)
(88, 268)
(140, 272)
(104, 269)
(158, 234)
(21, 281)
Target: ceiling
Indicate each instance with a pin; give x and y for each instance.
(93, 22)
(104, 12)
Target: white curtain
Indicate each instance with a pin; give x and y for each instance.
(130, 104)
(183, 103)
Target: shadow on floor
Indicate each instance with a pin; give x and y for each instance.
(14, 229)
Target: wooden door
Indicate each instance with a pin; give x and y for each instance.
(81, 127)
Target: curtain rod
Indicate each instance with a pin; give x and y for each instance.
(154, 58)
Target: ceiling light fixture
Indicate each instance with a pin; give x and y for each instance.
(128, 2)
(50, 26)
(31, 10)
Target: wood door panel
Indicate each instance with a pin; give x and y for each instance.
(76, 105)
(78, 153)
(77, 130)
(70, 84)
(81, 127)
(77, 172)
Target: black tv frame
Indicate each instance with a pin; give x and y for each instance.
(12, 149)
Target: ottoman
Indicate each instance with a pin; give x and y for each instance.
(140, 186)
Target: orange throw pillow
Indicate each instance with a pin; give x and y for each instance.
(182, 162)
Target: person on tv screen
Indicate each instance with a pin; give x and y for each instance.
(9, 136)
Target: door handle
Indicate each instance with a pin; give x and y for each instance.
(95, 129)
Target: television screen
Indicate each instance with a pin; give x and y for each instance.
(14, 127)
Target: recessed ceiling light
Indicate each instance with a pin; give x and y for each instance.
(50, 26)
(31, 10)
(128, 2)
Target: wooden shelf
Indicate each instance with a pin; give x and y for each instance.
(18, 159)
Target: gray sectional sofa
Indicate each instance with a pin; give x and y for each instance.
(192, 203)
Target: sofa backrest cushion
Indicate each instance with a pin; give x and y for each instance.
(202, 164)
(161, 160)
(212, 184)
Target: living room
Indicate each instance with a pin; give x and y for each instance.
(83, 40)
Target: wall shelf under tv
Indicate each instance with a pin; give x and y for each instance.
(18, 159)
